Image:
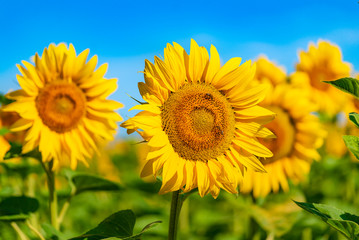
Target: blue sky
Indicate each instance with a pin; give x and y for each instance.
(125, 33)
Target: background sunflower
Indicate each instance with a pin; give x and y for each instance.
(299, 135)
(322, 63)
(63, 106)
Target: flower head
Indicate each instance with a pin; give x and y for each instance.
(299, 135)
(268, 72)
(201, 120)
(318, 64)
(63, 105)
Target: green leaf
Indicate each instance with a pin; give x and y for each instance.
(275, 218)
(17, 208)
(146, 228)
(4, 131)
(348, 85)
(118, 225)
(352, 143)
(85, 182)
(12, 218)
(51, 233)
(344, 222)
(354, 117)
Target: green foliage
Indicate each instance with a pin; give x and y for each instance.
(15, 151)
(17, 208)
(348, 85)
(352, 143)
(4, 131)
(344, 222)
(87, 182)
(51, 233)
(118, 225)
(4, 100)
(354, 117)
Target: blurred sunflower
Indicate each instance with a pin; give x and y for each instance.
(4, 145)
(6, 120)
(201, 120)
(322, 63)
(334, 144)
(268, 72)
(63, 105)
(298, 133)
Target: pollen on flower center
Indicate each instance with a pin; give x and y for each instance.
(202, 120)
(199, 122)
(61, 105)
(283, 128)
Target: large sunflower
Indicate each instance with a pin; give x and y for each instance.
(63, 106)
(299, 134)
(201, 120)
(322, 63)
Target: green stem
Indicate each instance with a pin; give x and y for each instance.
(53, 201)
(176, 205)
(34, 230)
(19, 231)
(52, 195)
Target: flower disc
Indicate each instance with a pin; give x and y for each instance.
(61, 105)
(299, 135)
(199, 122)
(282, 126)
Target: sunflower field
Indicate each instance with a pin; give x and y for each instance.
(223, 150)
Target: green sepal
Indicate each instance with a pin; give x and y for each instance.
(4, 131)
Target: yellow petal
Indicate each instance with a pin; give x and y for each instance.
(147, 107)
(228, 67)
(252, 145)
(202, 178)
(214, 65)
(21, 125)
(250, 162)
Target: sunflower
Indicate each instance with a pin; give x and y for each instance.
(267, 71)
(322, 63)
(299, 135)
(4, 144)
(6, 120)
(201, 120)
(334, 144)
(63, 105)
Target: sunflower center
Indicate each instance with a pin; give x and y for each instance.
(282, 126)
(61, 105)
(202, 120)
(199, 122)
(356, 103)
(318, 75)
